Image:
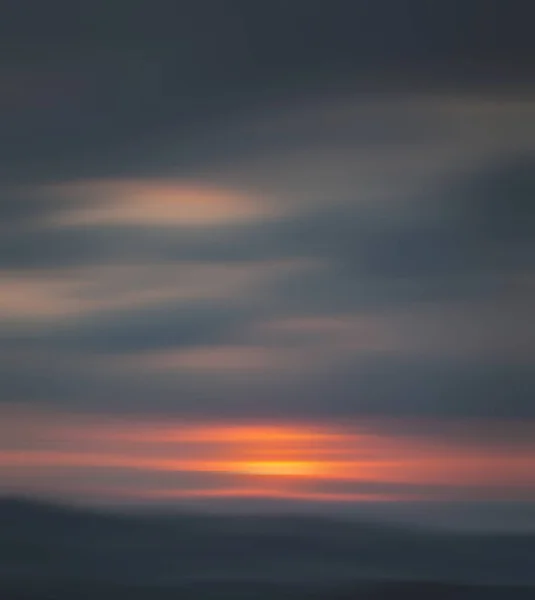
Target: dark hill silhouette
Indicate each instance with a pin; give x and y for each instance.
(61, 552)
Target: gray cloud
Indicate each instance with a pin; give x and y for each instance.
(497, 206)
(427, 387)
(394, 142)
(73, 112)
(95, 92)
(157, 328)
(391, 386)
(136, 330)
(480, 215)
(464, 252)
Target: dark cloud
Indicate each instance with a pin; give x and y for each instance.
(136, 330)
(496, 206)
(98, 90)
(157, 328)
(44, 248)
(344, 34)
(108, 90)
(38, 248)
(380, 386)
(425, 387)
(22, 209)
(484, 221)
(393, 140)
(363, 386)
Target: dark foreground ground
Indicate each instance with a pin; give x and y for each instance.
(236, 591)
(51, 552)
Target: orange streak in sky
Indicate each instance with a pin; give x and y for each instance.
(261, 455)
(164, 494)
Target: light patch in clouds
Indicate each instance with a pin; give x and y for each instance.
(364, 331)
(491, 328)
(30, 296)
(156, 203)
(295, 346)
(289, 349)
(222, 359)
(279, 459)
(380, 152)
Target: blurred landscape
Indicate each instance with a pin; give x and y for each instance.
(267, 279)
(52, 551)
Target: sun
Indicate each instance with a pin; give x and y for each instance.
(274, 451)
(277, 467)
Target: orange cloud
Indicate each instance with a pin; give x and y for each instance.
(285, 460)
(156, 202)
(261, 493)
(44, 295)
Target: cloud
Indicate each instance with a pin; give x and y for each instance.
(28, 296)
(388, 273)
(91, 102)
(151, 327)
(446, 232)
(425, 386)
(497, 205)
(156, 203)
(203, 216)
(282, 460)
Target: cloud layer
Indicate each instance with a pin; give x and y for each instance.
(356, 255)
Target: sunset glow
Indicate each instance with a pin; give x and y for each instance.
(134, 458)
(280, 467)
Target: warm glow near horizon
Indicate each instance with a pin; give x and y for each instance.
(174, 459)
(280, 467)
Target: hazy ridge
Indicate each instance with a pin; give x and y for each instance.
(52, 551)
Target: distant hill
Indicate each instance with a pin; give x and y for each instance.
(49, 551)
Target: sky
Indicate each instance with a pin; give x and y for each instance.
(263, 250)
